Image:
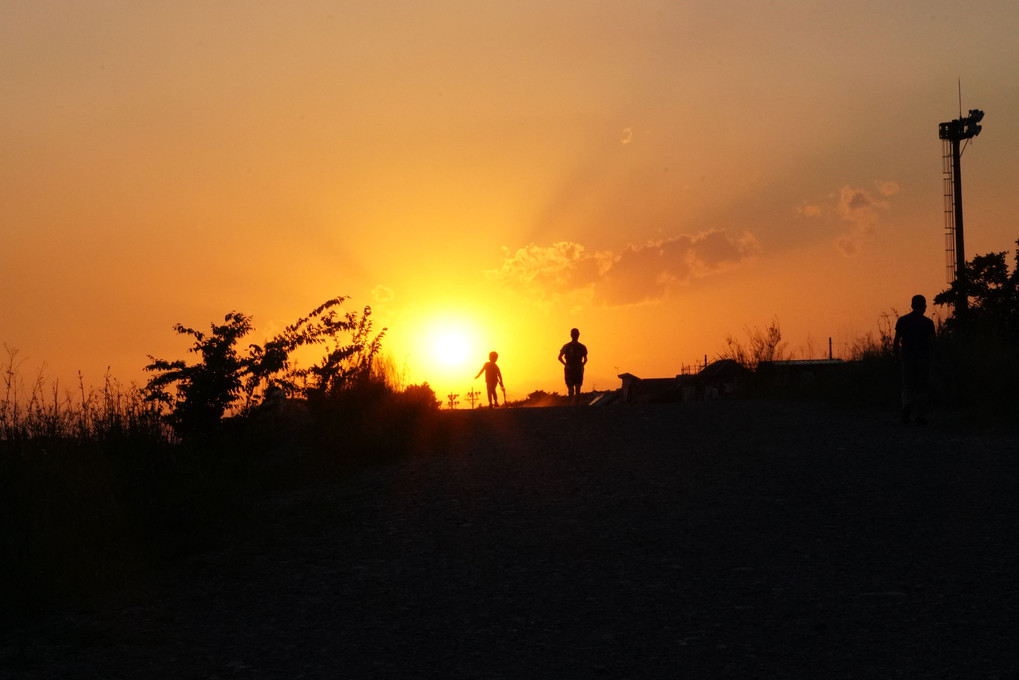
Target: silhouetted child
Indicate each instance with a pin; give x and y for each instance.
(493, 377)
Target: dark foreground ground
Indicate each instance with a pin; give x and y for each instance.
(715, 540)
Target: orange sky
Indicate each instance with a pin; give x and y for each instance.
(659, 174)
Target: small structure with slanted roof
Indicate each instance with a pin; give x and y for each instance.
(718, 379)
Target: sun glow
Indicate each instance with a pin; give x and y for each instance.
(451, 349)
(450, 346)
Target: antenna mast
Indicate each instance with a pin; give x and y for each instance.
(952, 134)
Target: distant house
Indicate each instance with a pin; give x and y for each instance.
(645, 390)
(718, 379)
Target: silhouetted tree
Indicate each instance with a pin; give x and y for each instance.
(345, 365)
(204, 390)
(225, 378)
(993, 293)
(271, 365)
(978, 346)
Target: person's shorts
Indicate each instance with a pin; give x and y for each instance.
(574, 376)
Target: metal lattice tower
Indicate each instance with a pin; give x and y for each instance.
(952, 134)
(949, 184)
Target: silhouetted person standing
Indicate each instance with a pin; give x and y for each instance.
(493, 377)
(573, 356)
(914, 334)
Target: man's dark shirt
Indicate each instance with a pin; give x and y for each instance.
(573, 354)
(915, 332)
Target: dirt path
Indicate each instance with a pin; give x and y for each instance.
(716, 540)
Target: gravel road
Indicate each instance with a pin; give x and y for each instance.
(731, 539)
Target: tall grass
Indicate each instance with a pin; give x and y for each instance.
(95, 487)
(974, 372)
(86, 478)
(42, 410)
(868, 377)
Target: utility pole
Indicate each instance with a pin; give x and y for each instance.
(952, 134)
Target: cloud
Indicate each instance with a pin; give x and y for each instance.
(552, 274)
(862, 211)
(859, 205)
(809, 210)
(382, 294)
(888, 188)
(858, 211)
(644, 273)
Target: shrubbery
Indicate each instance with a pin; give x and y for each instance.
(975, 367)
(95, 488)
(978, 347)
(227, 378)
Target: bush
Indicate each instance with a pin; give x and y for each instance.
(228, 380)
(978, 348)
(763, 346)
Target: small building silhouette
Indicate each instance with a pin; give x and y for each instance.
(798, 371)
(721, 378)
(716, 380)
(645, 390)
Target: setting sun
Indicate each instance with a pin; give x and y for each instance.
(451, 349)
(449, 344)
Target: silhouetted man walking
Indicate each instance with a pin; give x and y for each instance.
(914, 334)
(573, 356)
